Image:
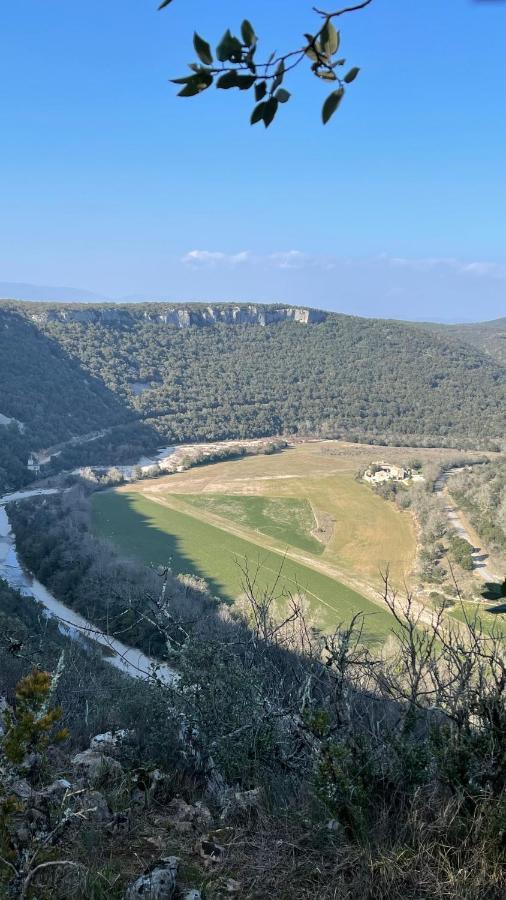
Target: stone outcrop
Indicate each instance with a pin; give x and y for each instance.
(180, 316)
(97, 766)
(158, 883)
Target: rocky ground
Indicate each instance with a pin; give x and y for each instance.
(90, 825)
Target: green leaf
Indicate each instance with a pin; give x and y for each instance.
(248, 33)
(185, 80)
(351, 75)
(312, 47)
(229, 47)
(202, 49)
(258, 113)
(228, 80)
(331, 104)
(271, 108)
(283, 96)
(245, 82)
(195, 84)
(260, 90)
(280, 74)
(330, 39)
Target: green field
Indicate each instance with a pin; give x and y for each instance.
(159, 535)
(287, 519)
(490, 620)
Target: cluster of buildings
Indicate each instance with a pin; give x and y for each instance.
(381, 471)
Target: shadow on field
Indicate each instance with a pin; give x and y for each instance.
(492, 593)
(156, 547)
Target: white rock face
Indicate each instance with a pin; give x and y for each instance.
(184, 316)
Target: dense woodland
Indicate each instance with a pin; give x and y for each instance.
(148, 383)
(343, 375)
(48, 393)
(489, 337)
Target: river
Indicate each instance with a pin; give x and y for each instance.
(128, 660)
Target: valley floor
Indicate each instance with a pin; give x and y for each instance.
(301, 513)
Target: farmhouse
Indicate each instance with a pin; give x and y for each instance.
(383, 471)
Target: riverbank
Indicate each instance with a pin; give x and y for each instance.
(129, 660)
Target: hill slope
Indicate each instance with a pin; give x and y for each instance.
(215, 372)
(48, 393)
(489, 337)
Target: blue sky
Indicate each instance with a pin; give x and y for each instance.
(112, 184)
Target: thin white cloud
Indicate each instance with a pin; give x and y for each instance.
(285, 259)
(214, 258)
(291, 260)
(479, 269)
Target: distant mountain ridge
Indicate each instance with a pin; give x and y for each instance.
(18, 290)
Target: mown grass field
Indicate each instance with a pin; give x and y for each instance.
(288, 520)
(160, 535)
(360, 532)
(302, 510)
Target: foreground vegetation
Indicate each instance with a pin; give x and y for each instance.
(303, 766)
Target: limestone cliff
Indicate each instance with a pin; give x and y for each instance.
(180, 316)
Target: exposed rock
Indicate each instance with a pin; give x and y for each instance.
(97, 766)
(4, 706)
(183, 316)
(21, 789)
(110, 741)
(186, 817)
(158, 883)
(241, 803)
(192, 895)
(93, 807)
(232, 886)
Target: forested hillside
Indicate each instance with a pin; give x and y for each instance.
(489, 337)
(194, 373)
(340, 376)
(49, 395)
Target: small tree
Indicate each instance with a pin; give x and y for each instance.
(35, 724)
